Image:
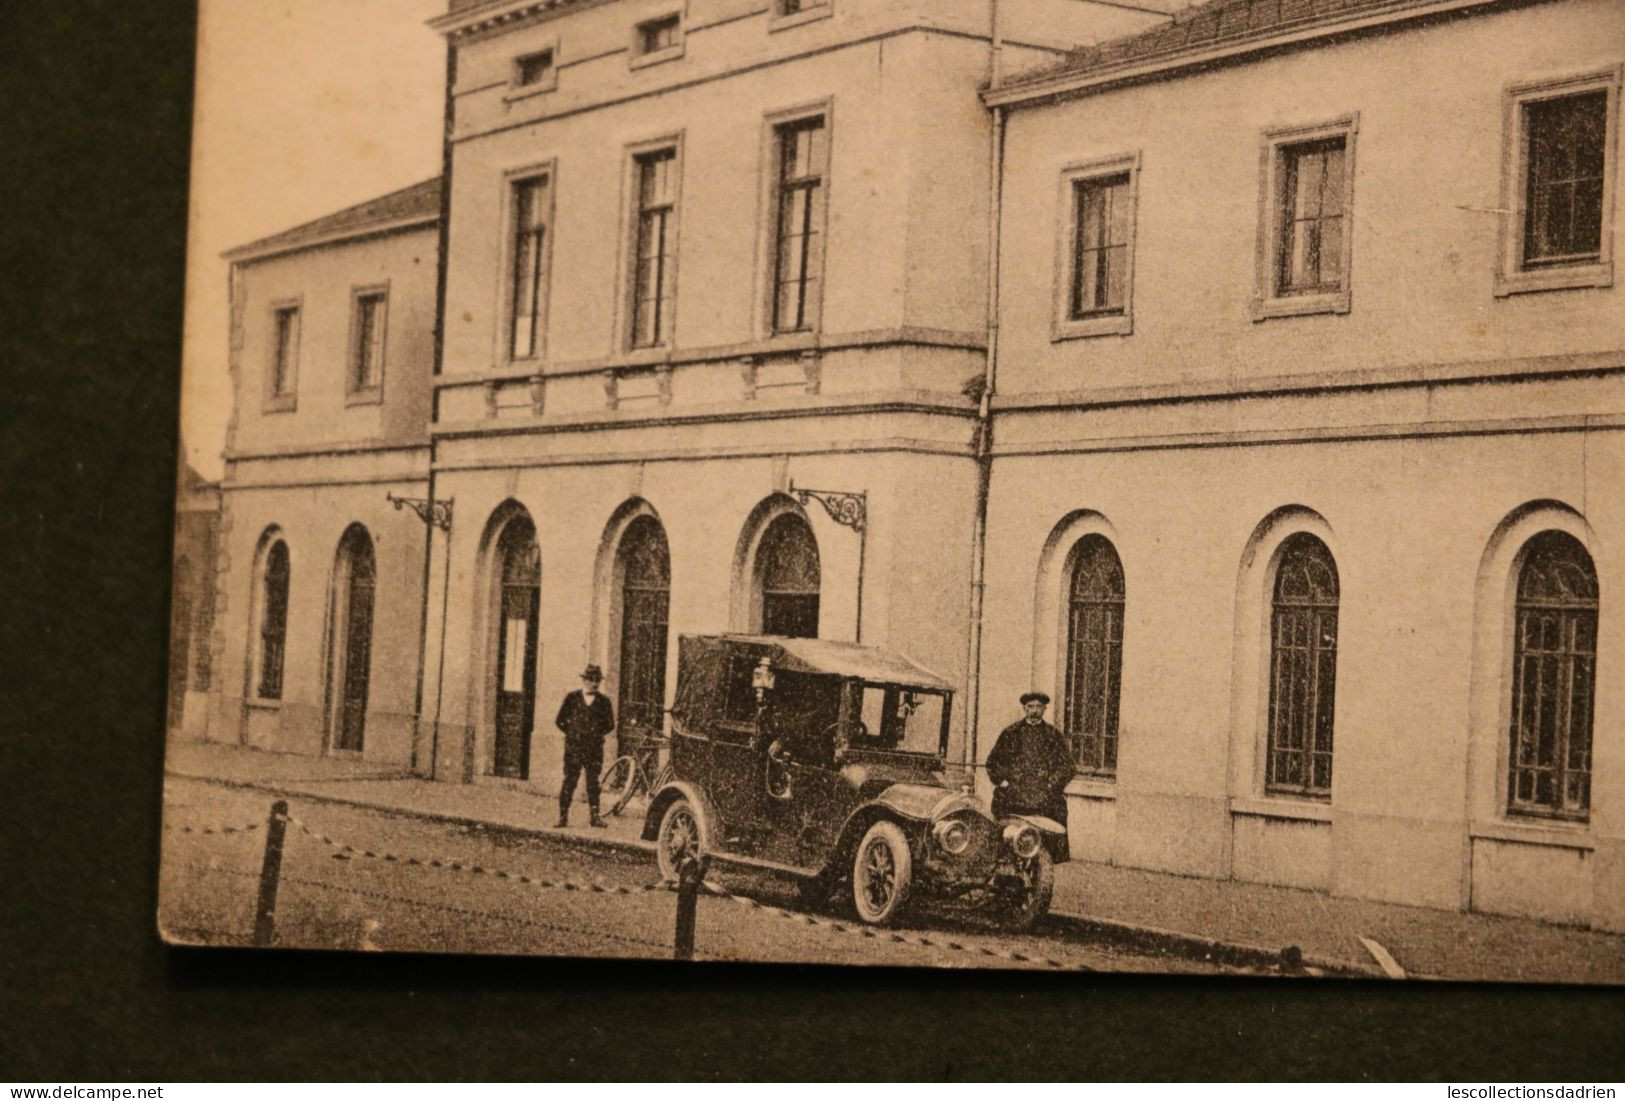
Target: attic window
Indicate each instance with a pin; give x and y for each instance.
(534, 69)
(658, 39)
(658, 34)
(794, 13)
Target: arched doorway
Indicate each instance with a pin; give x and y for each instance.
(519, 577)
(787, 577)
(644, 566)
(355, 580)
(180, 641)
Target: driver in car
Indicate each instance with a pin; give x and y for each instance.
(1030, 766)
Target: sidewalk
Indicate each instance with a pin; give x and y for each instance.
(1227, 920)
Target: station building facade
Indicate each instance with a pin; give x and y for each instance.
(1292, 434)
(1305, 501)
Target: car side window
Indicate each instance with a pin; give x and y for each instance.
(740, 701)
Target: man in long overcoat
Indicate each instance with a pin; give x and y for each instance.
(1030, 766)
(585, 717)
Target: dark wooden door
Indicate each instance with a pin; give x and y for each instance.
(357, 646)
(516, 651)
(645, 602)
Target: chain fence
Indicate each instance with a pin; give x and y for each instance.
(692, 881)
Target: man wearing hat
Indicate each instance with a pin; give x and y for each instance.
(585, 717)
(1030, 766)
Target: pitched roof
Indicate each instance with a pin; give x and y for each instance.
(409, 205)
(1211, 26)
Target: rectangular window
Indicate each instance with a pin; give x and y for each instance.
(1305, 220)
(1094, 277)
(530, 209)
(798, 249)
(1101, 211)
(285, 354)
(1563, 179)
(656, 40)
(793, 13)
(1309, 242)
(654, 258)
(534, 69)
(1557, 184)
(367, 352)
(658, 34)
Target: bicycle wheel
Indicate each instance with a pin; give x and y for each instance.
(617, 783)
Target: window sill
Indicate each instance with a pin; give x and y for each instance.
(645, 355)
(657, 57)
(520, 93)
(1576, 836)
(1093, 787)
(1302, 305)
(364, 397)
(285, 403)
(256, 703)
(1282, 807)
(1116, 324)
(797, 19)
(1565, 278)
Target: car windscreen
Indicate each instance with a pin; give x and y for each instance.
(902, 720)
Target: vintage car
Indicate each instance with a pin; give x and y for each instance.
(827, 761)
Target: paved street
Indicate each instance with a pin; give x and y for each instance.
(332, 899)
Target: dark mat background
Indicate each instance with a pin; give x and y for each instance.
(94, 123)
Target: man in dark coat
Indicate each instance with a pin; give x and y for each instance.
(585, 717)
(1029, 767)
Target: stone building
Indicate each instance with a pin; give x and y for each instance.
(716, 283)
(1305, 498)
(1282, 464)
(320, 604)
(191, 601)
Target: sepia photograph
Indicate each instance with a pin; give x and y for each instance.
(1061, 485)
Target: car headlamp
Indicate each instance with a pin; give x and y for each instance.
(952, 835)
(1022, 840)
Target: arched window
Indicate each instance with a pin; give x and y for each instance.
(1303, 669)
(645, 568)
(356, 577)
(787, 573)
(520, 579)
(1094, 656)
(1554, 665)
(273, 622)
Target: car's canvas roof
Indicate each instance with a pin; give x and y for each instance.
(845, 659)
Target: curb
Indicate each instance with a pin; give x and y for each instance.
(1124, 933)
(1211, 950)
(569, 836)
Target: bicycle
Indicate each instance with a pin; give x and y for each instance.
(638, 772)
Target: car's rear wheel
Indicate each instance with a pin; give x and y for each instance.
(681, 837)
(882, 873)
(1036, 891)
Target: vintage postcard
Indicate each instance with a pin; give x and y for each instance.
(1067, 484)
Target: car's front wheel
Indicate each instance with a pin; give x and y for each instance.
(681, 837)
(1032, 899)
(882, 873)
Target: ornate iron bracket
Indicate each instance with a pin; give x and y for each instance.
(847, 509)
(436, 512)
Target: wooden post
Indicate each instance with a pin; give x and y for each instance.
(690, 873)
(270, 874)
